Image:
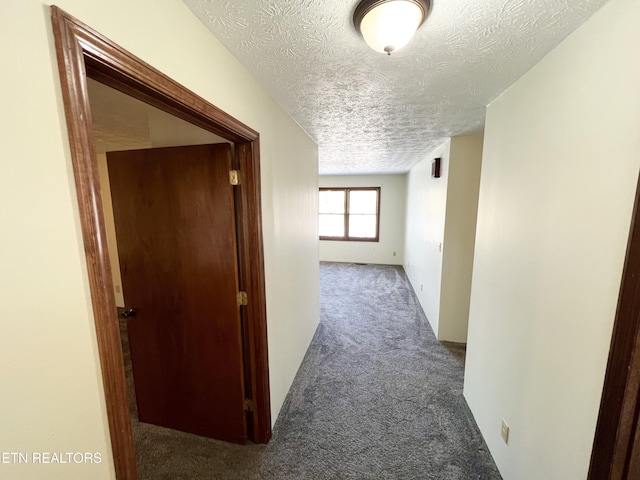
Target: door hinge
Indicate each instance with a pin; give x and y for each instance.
(234, 177)
(248, 405)
(243, 298)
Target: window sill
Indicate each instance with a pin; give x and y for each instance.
(349, 239)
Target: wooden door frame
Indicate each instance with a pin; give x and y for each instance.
(82, 52)
(616, 447)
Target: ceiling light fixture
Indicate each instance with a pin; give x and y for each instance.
(388, 25)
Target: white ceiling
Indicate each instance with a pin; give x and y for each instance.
(373, 113)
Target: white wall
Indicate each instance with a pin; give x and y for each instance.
(459, 237)
(52, 396)
(441, 220)
(392, 221)
(110, 229)
(560, 165)
(426, 209)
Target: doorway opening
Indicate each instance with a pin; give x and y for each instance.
(83, 53)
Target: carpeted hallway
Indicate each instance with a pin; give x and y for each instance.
(377, 397)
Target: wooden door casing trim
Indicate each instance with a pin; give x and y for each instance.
(83, 52)
(616, 447)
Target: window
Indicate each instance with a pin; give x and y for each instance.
(351, 214)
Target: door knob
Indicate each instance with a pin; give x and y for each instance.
(128, 313)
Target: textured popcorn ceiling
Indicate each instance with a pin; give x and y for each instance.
(371, 113)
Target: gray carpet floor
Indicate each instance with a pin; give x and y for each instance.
(376, 397)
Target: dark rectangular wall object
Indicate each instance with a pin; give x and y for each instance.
(435, 168)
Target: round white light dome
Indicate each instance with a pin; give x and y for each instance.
(389, 26)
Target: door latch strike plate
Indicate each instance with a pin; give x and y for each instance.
(243, 298)
(234, 177)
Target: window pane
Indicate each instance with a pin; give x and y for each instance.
(362, 226)
(331, 225)
(331, 201)
(363, 201)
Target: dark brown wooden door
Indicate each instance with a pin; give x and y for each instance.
(175, 227)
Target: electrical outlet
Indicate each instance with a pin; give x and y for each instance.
(421, 287)
(504, 432)
(394, 254)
